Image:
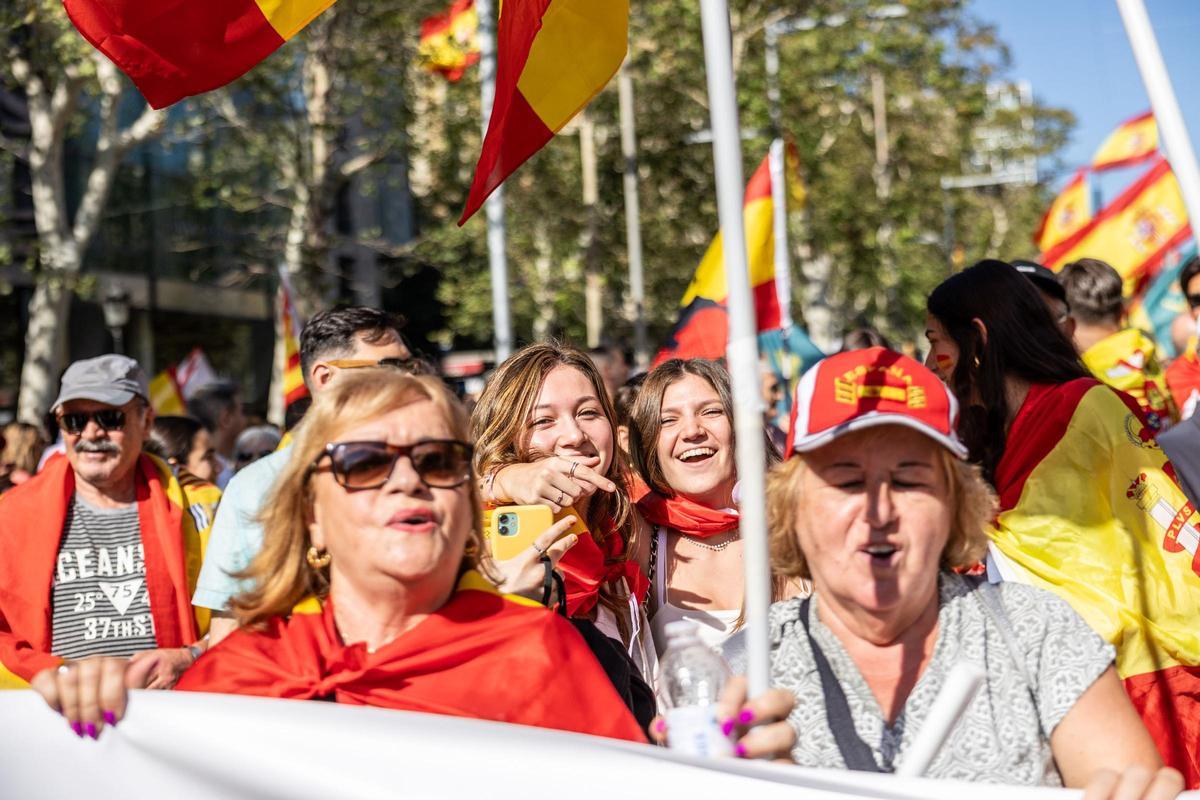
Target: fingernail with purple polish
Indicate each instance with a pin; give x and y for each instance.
(740, 750)
(91, 730)
(78, 728)
(746, 717)
(110, 718)
(660, 726)
(727, 727)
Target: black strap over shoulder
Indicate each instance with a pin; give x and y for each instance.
(551, 581)
(855, 752)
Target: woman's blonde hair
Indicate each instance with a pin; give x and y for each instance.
(280, 574)
(501, 418)
(969, 497)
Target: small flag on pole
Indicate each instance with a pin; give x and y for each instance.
(165, 397)
(1134, 141)
(173, 50)
(288, 330)
(554, 56)
(450, 41)
(1069, 212)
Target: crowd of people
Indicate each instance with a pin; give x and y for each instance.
(977, 507)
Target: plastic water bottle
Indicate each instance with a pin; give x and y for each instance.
(692, 676)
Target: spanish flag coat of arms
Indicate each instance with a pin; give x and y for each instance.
(1090, 509)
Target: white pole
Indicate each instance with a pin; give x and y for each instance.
(783, 266)
(957, 692)
(1176, 142)
(633, 224)
(494, 207)
(743, 340)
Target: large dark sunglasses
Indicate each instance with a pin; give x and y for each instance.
(109, 419)
(439, 463)
(1193, 300)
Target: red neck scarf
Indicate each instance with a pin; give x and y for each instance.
(687, 516)
(481, 656)
(587, 566)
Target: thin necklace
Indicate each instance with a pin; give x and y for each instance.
(716, 548)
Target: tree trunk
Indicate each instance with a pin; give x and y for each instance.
(543, 288)
(45, 341)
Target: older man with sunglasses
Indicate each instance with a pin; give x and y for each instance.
(335, 341)
(100, 553)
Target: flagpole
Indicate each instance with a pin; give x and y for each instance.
(1177, 143)
(633, 224)
(742, 353)
(778, 161)
(494, 207)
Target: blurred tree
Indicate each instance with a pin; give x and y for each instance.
(65, 82)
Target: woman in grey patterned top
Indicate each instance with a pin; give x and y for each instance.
(878, 509)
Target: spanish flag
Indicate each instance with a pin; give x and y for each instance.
(1134, 141)
(172, 49)
(1128, 360)
(1135, 232)
(703, 327)
(165, 396)
(1069, 212)
(554, 56)
(1090, 510)
(288, 329)
(449, 41)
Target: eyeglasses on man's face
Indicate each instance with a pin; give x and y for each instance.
(107, 419)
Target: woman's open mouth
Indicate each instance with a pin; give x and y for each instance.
(881, 554)
(696, 455)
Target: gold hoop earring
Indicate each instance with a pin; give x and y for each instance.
(317, 559)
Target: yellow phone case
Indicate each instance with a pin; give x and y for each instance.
(509, 530)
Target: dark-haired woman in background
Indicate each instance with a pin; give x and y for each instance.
(1088, 505)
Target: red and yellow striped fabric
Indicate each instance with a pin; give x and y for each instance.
(173, 49)
(1069, 212)
(1090, 510)
(553, 57)
(1134, 141)
(288, 329)
(1135, 232)
(703, 327)
(450, 41)
(1128, 360)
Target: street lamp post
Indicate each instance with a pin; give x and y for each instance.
(115, 306)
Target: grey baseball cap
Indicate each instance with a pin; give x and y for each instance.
(110, 379)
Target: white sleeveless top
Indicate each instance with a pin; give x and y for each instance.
(715, 626)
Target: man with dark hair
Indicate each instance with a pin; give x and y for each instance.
(340, 338)
(1052, 292)
(1124, 358)
(1183, 375)
(613, 366)
(99, 547)
(218, 406)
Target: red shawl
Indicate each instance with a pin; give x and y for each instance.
(586, 567)
(481, 655)
(687, 516)
(32, 517)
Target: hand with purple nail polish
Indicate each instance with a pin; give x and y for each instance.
(90, 692)
(758, 726)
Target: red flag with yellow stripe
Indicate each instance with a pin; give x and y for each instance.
(450, 41)
(1069, 212)
(288, 329)
(1135, 232)
(1134, 141)
(554, 56)
(703, 327)
(1090, 509)
(172, 49)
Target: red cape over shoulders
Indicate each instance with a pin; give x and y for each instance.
(481, 656)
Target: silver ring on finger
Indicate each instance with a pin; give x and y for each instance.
(64, 669)
(539, 550)
(561, 496)
(574, 466)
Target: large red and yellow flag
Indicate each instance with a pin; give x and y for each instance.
(172, 49)
(450, 41)
(703, 327)
(1069, 212)
(1134, 141)
(1135, 232)
(1090, 510)
(1128, 360)
(288, 329)
(554, 56)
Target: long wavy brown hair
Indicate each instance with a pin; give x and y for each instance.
(501, 419)
(280, 576)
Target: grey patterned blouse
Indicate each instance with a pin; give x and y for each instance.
(1003, 737)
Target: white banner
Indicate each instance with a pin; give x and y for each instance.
(178, 746)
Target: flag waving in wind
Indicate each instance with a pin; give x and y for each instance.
(289, 332)
(1069, 212)
(553, 57)
(1134, 141)
(450, 41)
(173, 50)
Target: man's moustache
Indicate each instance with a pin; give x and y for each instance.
(97, 446)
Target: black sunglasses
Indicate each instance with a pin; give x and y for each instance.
(108, 419)
(1193, 300)
(439, 463)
